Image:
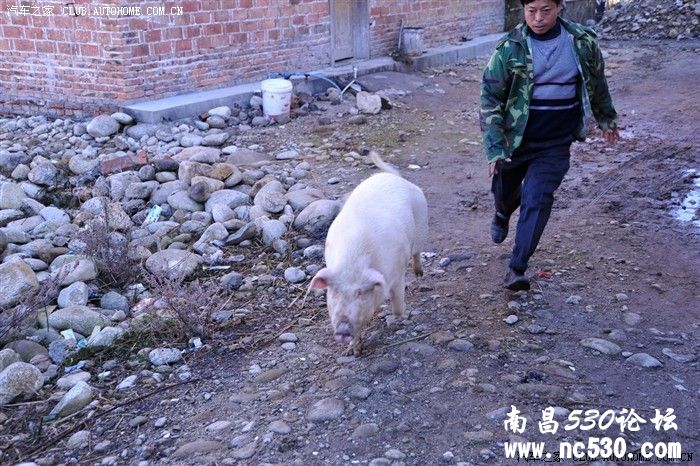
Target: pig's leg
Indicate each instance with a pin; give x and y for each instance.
(398, 298)
(355, 347)
(417, 265)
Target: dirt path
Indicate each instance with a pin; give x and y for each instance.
(622, 269)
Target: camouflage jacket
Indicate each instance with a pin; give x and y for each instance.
(507, 86)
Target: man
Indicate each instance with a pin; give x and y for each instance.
(538, 89)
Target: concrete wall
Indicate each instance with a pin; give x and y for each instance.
(53, 61)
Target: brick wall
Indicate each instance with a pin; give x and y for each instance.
(444, 21)
(56, 62)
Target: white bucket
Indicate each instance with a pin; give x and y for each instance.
(277, 97)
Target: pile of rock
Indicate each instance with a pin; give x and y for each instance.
(178, 196)
(652, 19)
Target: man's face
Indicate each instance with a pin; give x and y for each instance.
(541, 15)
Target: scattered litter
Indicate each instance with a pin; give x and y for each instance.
(543, 274)
(153, 214)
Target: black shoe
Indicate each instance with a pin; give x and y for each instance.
(499, 227)
(515, 281)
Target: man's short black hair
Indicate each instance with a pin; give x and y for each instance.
(525, 2)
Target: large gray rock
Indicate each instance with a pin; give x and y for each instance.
(17, 379)
(26, 349)
(82, 319)
(122, 118)
(644, 360)
(70, 380)
(246, 232)
(325, 410)
(160, 195)
(191, 140)
(7, 357)
(181, 200)
(81, 270)
(16, 279)
(272, 230)
(271, 197)
(101, 207)
(368, 103)
(73, 401)
(317, 217)
(105, 337)
(215, 231)
(228, 197)
(79, 164)
(102, 126)
(11, 195)
(44, 173)
(76, 294)
(6, 217)
(301, 198)
(601, 345)
(198, 154)
(162, 356)
(55, 215)
(217, 139)
(223, 111)
(173, 263)
(140, 130)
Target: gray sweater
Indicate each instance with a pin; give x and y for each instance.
(554, 108)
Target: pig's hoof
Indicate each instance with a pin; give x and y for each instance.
(417, 265)
(354, 349)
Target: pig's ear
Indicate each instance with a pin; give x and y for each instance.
(376, 279)
(321, 280)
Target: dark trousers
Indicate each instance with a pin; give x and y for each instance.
(528, 181)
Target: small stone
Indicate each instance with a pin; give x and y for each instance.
(631, 318)
(287, 155)
(288, 336)
(644, 360)
(294, 275)
(74, 400)
(127, 383)
(78, 440)
(359, 392)
(365, 431)
(460, 345)
(164, 356)
(218, 425)
(279, 427)
(138, 420)
(326, 409)
(535, 329)
(573, 299)
(394, 454)
(601, 345)
(246, 451)
(511, 319)
(681, 358)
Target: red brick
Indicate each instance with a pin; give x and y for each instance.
(24, 45)
(212, 29)
(184, 45)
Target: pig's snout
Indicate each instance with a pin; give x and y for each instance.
(343, 332)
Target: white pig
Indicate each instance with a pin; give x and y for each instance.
(383, 225)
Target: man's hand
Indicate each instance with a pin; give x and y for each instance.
(611, 136)
(494, 167)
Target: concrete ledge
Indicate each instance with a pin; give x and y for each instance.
(188, 105)
(450, 54)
